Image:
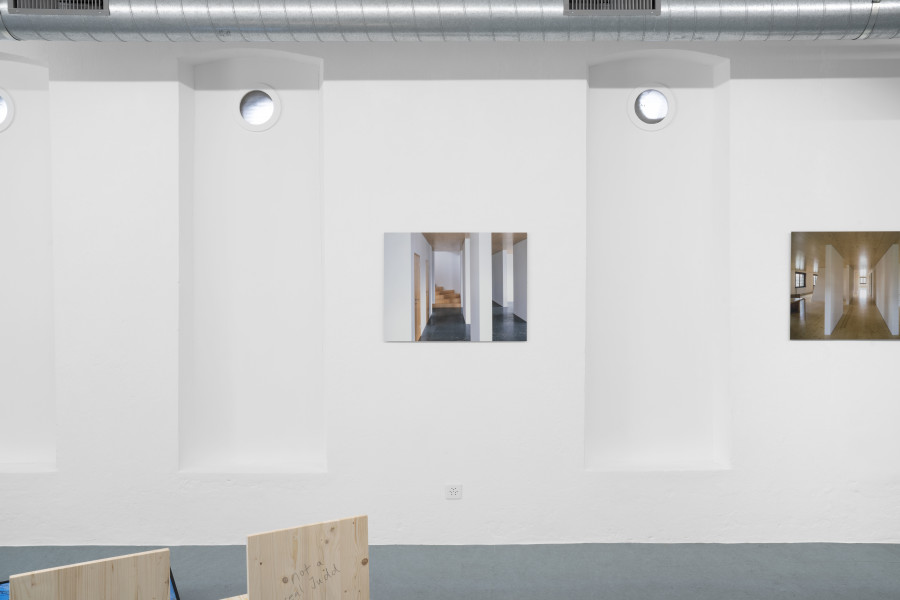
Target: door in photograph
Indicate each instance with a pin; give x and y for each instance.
(427, 292)
(416, 286)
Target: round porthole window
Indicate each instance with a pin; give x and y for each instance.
(259, 109)
(6, 110)
(651, 107)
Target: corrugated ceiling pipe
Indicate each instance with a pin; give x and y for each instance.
(457, 20)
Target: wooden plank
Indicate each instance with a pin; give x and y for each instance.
(34, 586)
(143, 576)
(324, 561)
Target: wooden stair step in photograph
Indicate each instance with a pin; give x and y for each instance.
(446, 298)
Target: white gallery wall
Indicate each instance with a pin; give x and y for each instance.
(250, 355)
(680, 242)
(816, 445)
(26, 270)
(501, 134)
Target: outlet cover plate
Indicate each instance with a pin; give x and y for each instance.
(453, 491)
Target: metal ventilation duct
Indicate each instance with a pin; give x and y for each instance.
(455, 20)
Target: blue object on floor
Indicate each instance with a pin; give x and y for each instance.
(4, 590)
(173, 593)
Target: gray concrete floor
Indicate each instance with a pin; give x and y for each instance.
(549, 572)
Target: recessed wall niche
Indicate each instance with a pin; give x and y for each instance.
(657, 342)
(251, 333)
(28, 442)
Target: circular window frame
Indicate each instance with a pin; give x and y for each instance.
(276, 108)
(10, 110)
(630, 106)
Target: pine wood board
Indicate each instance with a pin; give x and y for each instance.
(142, 576)
(323, 561)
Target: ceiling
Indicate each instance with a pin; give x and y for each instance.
(505, 241)
(450, 20)
(452, 242)
(446, 242)
(855, 247)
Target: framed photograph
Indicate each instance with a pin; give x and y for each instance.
(455, 287)
(845, 285)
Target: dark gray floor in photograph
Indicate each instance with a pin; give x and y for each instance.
(549, 572)
(507, 326)
(446, 325)
(449, 325)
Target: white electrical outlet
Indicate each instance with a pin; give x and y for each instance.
(453, 491)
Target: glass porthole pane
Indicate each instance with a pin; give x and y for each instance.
(257, 107)
(4, 110)
(651, 106)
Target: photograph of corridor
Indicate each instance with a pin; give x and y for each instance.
(455, 287)
(845, 285)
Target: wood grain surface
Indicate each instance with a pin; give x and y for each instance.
(143, 576)
(324, 561)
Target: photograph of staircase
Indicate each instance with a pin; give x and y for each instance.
(446, 298)
(456, 287)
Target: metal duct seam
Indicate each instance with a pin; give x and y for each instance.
(4, 32)
(457, 20)
(873, 17)
(882, 21)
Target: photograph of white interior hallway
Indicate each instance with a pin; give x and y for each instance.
(455, 287)
(845, 285)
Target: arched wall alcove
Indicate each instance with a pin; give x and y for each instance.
(251, 299)
(28, 442)
(657, 341)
